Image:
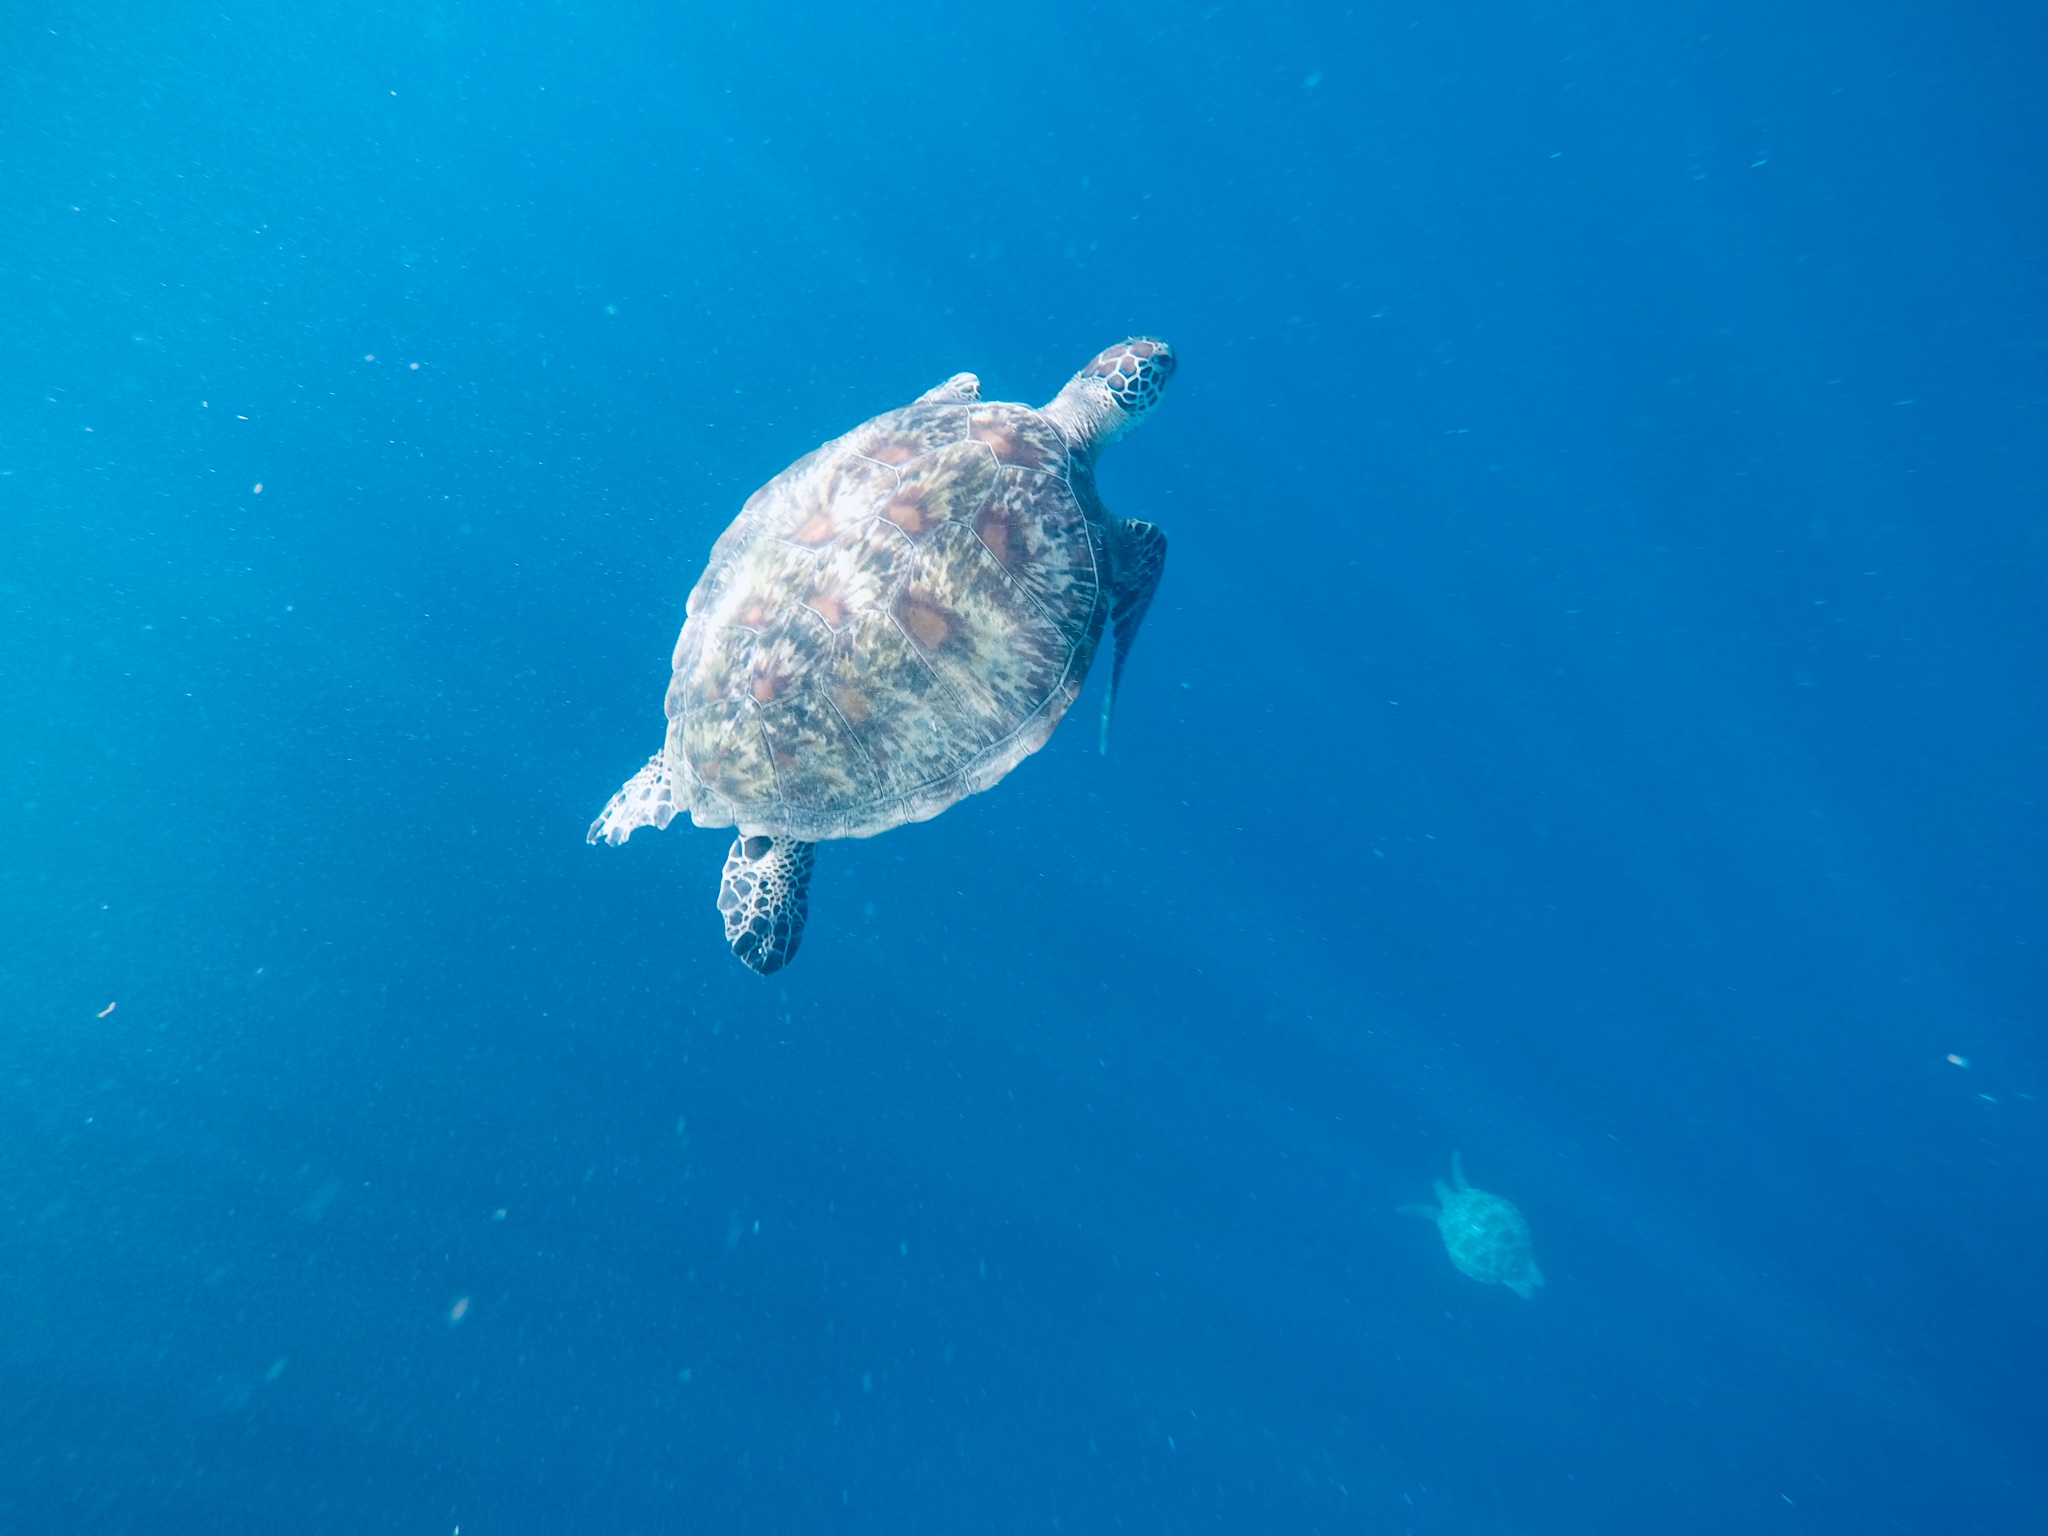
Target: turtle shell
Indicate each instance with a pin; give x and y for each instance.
(893, 622)
(1488, 1238)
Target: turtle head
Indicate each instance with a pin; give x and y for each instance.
(1116, 391)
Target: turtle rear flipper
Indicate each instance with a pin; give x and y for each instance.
(764, 895)
(1137, 560)
(648, 799)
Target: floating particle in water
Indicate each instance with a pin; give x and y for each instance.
(105, 1011)
(1957, 1061)
(459, 1311)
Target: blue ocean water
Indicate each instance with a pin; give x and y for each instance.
(1593, 723)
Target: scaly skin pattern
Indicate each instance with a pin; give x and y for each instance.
(761, 898)
(1131, 384)
(892, 623)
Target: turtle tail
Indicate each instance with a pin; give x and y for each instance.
(764, 895)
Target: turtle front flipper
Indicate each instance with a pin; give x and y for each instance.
(1137, 554)
(961, 389)
(764, 896)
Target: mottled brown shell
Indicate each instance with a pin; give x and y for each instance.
(893, 622)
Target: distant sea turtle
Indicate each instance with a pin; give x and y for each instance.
(893, 622)
(1484, 1234)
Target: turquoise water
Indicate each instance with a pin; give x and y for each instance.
(1592, 723)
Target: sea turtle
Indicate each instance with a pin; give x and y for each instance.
(893, 622)
(1484, 1234)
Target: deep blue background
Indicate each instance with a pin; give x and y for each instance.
(1594, 720)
